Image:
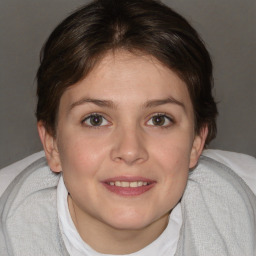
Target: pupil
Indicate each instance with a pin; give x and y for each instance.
(96, 120)
(158, 120)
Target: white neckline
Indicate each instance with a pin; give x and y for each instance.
(165, 244)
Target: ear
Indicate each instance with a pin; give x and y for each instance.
(198, 146)
(50, 148)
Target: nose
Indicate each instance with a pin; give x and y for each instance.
(129, 147)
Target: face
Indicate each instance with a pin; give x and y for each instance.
(125, 142)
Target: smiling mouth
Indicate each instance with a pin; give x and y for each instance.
(128, 186)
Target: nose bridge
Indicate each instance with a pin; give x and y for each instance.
(129, 145)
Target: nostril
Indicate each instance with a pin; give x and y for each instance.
(129, 147)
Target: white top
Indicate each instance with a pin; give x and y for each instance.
(164, 245)
(243, 165)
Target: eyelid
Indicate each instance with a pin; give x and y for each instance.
(87, 117)
(167, 116)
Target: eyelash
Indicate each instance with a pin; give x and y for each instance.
(94, 115)
(170, 119)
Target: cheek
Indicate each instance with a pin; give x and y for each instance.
(175, 167)
(174, 180)
(173, 158)
(80, 155)
(81, 161)
(173, 151)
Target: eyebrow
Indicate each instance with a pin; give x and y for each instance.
(111, 104)
(98, 102)
(169, 100)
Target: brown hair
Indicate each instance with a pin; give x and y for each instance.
(146, 26)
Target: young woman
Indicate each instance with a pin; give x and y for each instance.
(124, 111)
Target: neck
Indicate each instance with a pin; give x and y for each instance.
(108, 240)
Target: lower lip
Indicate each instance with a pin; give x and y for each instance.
(121, 191)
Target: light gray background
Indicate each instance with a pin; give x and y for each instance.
(228, 27)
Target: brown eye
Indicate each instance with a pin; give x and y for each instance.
(160, 120)
(95, 120)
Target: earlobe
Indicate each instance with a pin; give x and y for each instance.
(198, 146)
(50, 148)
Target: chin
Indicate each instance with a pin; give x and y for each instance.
(130, 225)
(130, 221)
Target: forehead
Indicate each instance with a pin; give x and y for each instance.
(125, 77)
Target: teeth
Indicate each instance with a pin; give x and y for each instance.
(118, 183)
(126, 184)
(140, 183)
(134, 184)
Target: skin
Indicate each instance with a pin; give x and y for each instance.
(132, 90)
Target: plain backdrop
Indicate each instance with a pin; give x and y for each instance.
(228, 28)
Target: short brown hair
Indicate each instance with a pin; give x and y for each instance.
(147, 26)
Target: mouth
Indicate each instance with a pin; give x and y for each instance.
(128, 186)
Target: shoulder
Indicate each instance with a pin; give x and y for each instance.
(218, 208)
(34, 180)
(8, 173)
(243, 165)
(216, 191)
(28, 207)
(35, 177)
(215, 177)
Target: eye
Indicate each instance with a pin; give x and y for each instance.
(95, 120)
(160, 120)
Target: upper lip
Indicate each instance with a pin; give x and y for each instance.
(129, 179)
